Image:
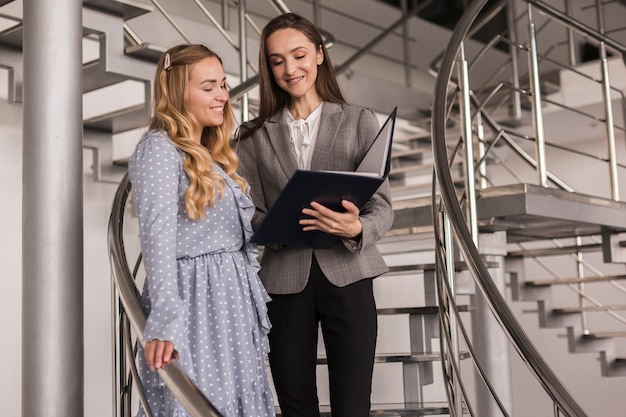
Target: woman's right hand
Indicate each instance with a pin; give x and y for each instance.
(159, 353)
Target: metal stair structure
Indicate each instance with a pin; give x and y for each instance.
(479, 138)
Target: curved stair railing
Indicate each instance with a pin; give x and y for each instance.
(130, 314)
(454, 209)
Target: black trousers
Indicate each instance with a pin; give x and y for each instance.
(347, 316)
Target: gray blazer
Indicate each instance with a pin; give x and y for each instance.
(268, 160)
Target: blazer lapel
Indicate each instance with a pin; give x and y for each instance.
(330, 120)
(278, 132)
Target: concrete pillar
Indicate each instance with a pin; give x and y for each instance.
(52, 207)
(490, 342)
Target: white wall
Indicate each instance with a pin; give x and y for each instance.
(11, 249)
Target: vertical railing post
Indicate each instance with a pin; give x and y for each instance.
(608, 107)
(571, 46)
(317, 13)
(243, 58)
(516, 102)
(482, 149)
(406, 45)
(466, 129)
(225, 15)
(535, 89)
(580, 267)
(453, 326)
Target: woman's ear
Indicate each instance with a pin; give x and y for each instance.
(320, 56)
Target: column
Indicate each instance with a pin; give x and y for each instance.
(52, 207)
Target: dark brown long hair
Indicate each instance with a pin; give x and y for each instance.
(272, 97)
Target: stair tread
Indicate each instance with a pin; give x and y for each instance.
(425, 310)
(548, 282)
(410, 152)
(428, 168)
(569, 310)
(591, 247)
(120, 120)
(395, 409)
(147, 51)
(459, 266)
(127, 9)
(605, 335)
(13, 36)
(400, 357)
(549, 213)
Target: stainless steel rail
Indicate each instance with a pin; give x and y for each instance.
(562, 399)
(178, 382)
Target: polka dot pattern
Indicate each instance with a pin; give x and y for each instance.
(202, 290)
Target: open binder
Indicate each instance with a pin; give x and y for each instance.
(281, 223)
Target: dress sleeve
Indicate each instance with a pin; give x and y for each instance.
(154, 171)
(377, 214)
(249, 170)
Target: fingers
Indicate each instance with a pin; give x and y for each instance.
(159, 353)
(350, 207)
(346, 224)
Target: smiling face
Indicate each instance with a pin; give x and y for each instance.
(207, 92)
(293, 59)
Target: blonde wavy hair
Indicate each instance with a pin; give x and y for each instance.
(172, 115)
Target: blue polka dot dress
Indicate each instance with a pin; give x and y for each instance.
(202, 290)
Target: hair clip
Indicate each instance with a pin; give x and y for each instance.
(167, 66)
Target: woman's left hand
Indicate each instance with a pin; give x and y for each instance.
(345, 224)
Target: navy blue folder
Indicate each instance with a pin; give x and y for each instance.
(281, 226)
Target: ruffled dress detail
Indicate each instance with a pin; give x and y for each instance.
(202, 290)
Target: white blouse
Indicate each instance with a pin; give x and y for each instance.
(303, 136)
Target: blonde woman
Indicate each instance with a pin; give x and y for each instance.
(205, 304)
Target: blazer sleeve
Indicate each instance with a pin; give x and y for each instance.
(377, 214)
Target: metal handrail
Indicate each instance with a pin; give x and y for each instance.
(577, 25)
(172, 374)
(490, 121)
(496, 302)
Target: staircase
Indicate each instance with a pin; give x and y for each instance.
(504, 187)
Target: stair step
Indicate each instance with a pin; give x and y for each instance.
(410, 152)
(120, 121)
(147, 51)
(427, 310)
(412, 168)
(400, 357)
(127, 9)
(401, 410)
(550, 213)
(549, 282)
(563, 250)
(13, 36)
(605, 335)
(94, 78)
(422, 136)
(395, 410)
(572, 310)
(458, 266)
